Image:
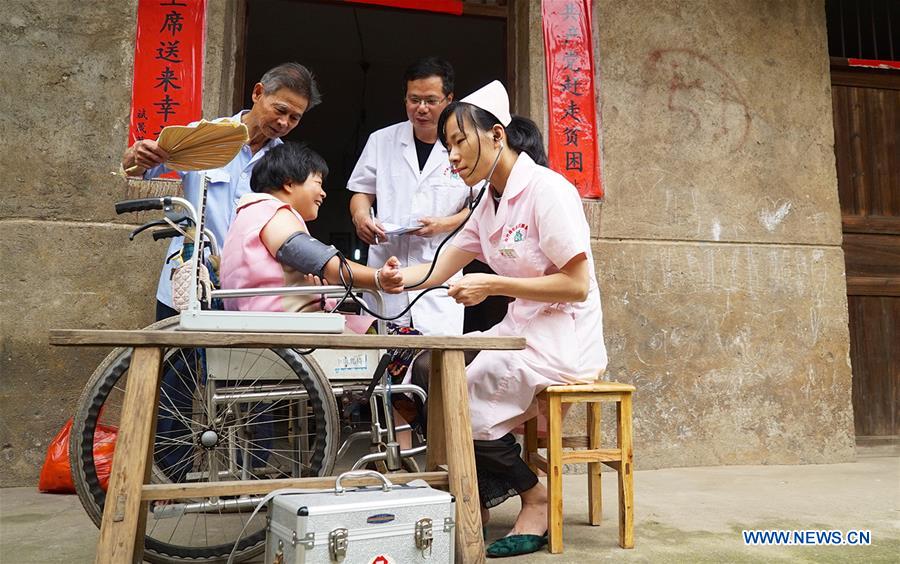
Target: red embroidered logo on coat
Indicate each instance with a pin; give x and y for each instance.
(517, 233)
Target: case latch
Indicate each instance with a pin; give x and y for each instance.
(424, 536)
(279, 554)
(337, 544)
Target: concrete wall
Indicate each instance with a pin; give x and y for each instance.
(66, 259)
(718, 241)
(717, 245)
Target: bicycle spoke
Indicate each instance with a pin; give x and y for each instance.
(174, 412)
(257, 415)
(242, 375)
(269, 436)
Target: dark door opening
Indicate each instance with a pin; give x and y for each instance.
(358, 54)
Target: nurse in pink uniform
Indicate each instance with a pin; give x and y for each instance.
(531, 230)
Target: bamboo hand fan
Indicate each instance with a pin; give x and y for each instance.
(202, 146)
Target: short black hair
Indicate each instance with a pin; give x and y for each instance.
(288, 162)
(431, 66)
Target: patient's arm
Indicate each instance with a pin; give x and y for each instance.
(286, 239)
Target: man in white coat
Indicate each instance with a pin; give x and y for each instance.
(405, 171)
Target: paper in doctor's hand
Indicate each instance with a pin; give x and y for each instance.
(394, 229)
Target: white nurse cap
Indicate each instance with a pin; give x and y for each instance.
(491, 98)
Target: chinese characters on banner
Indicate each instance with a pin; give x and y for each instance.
(573, 139)
(168, 66)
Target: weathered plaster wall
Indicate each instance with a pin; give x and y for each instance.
(718, 243)
(66, 259)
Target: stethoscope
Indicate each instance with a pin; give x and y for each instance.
(473, 203)
(347, 281)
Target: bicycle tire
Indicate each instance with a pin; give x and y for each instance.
(105, 381)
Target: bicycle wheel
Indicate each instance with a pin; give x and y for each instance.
(225, 414)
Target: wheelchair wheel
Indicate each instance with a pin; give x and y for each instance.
(224, 414)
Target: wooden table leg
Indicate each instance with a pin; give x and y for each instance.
(436, 452)
(595, 497)
(626, 474)
(460, 455)
(554, 474)
(124, 515)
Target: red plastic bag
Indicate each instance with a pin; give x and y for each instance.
(56, 475)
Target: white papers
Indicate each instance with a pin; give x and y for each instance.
(394, 229)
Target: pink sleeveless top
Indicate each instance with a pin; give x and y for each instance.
(246, 262)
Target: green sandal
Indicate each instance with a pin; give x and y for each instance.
(516, 545)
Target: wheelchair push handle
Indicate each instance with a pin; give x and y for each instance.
(128, 206)
(168, 233)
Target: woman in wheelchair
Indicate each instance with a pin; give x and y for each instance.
(533, 233)
(268, 244)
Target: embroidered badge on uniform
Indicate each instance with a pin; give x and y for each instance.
(517, 233)
(512, 238)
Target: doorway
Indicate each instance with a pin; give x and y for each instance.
(358, 54)
(865, 87)
(866, 127)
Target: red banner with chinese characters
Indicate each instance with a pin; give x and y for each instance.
(168, 66)
(454, 7)
(573, 139)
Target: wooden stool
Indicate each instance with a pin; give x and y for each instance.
(619, 458)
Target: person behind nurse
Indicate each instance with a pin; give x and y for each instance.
(268, 244)
(404, 170)
(531, 230)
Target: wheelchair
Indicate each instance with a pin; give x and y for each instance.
(240, 414)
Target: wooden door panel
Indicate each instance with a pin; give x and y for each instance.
(875, 358)
(866, 109)
(872, 255)
(866, 133)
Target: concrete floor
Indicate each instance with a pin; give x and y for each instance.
(682, 515)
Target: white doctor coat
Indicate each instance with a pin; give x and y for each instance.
(389, 169)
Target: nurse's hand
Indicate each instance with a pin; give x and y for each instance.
(369, 229)
(471, 289)
(390, 278)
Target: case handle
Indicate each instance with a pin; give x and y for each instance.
(386, 484)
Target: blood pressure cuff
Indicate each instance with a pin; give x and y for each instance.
(305, 254)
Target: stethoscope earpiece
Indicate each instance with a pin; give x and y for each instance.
(473, 203)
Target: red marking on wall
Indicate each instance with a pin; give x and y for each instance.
(701, 88)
